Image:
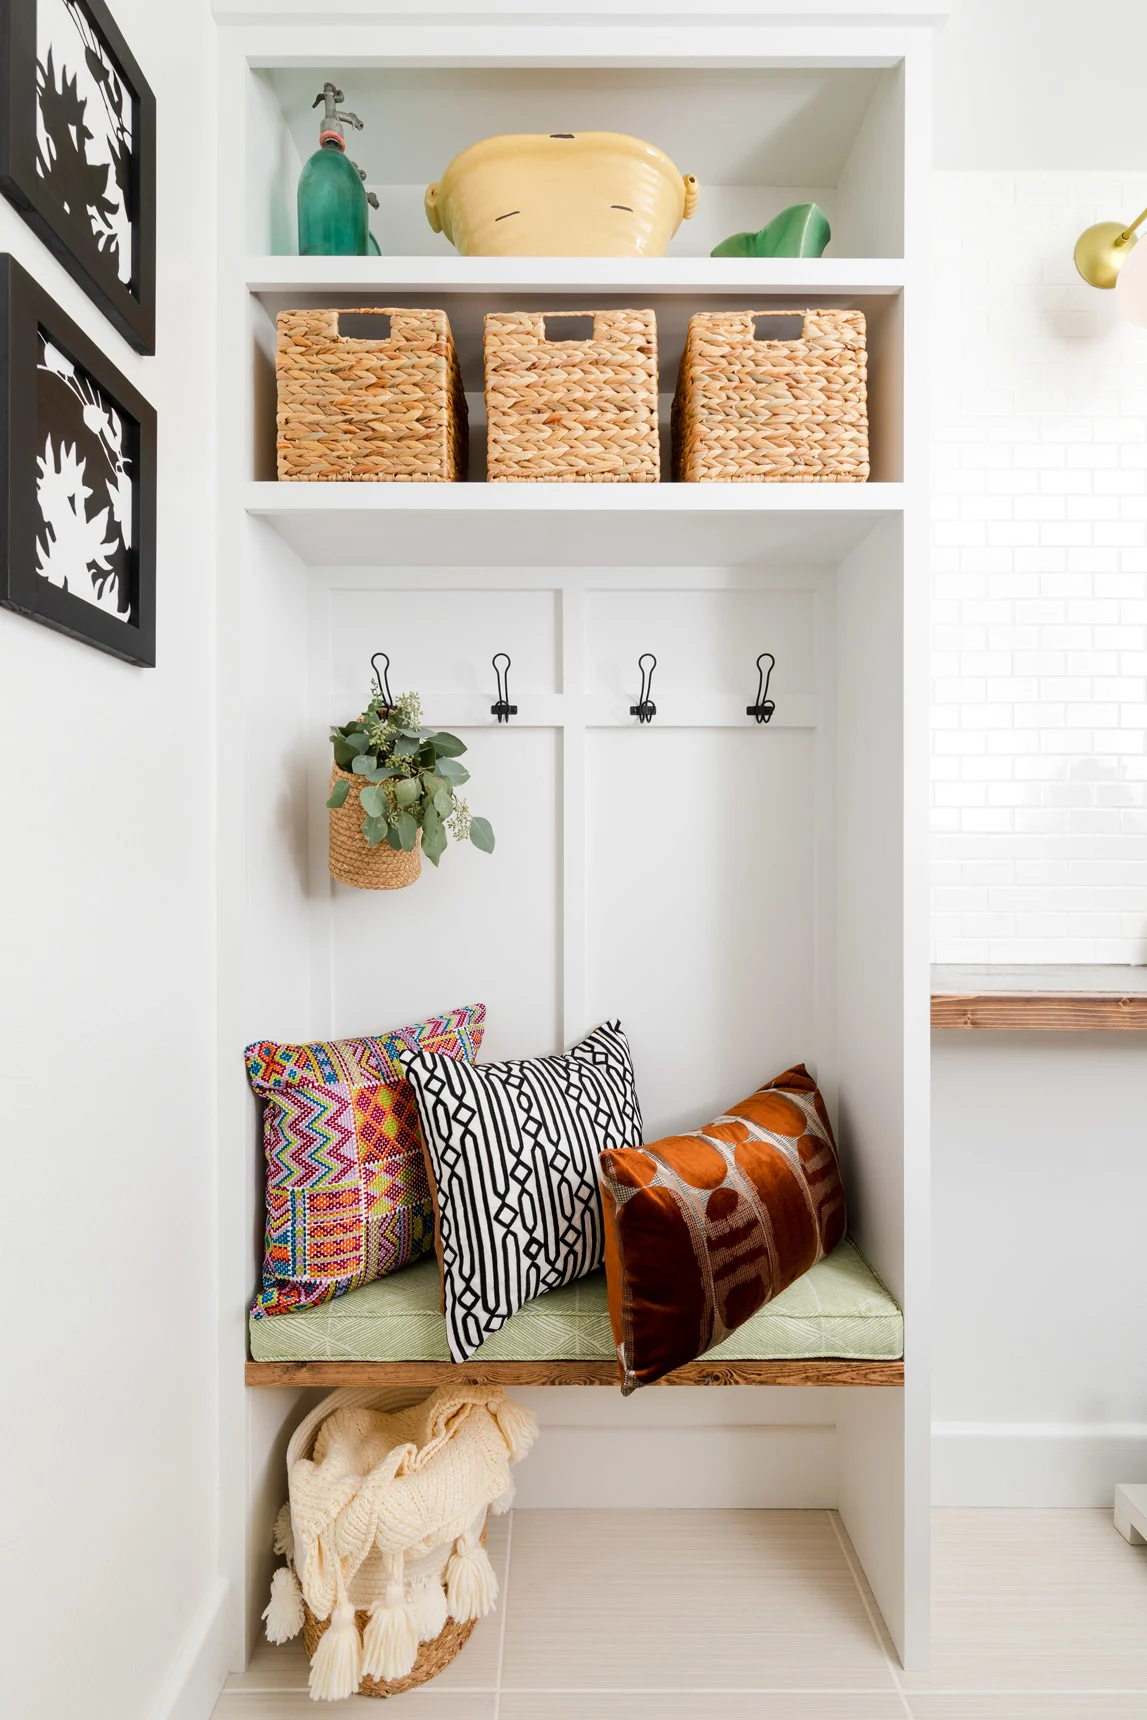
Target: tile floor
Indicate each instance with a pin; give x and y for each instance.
(762, 1615)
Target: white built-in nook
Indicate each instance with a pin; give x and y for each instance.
(741, 896)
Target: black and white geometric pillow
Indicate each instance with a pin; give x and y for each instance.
(514, 1151)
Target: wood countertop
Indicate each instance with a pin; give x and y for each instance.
(1050, 998)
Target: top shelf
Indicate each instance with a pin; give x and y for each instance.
(806, 278)
(759, 138)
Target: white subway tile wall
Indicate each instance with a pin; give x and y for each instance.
(1039, 562)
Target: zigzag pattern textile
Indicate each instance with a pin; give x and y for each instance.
(347, 1194)
(514, 1155)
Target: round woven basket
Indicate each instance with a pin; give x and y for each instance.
(352, 860)
(433, 1657)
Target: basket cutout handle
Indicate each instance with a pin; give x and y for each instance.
(569, 326)
(778, 325)
(363, 325)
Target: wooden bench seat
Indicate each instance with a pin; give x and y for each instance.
(837, 1325)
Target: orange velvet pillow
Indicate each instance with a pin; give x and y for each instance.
(701, 1230)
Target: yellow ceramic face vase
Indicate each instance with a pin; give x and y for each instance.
(582, 194)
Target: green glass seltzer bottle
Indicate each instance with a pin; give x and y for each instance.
(333, 219)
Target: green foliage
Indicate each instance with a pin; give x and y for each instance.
(454, 772)
(481, 835)
(410, 776)
(373, 801)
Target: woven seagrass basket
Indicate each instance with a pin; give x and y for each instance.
(753, 410)
(433, 1656)
(362, 410)
(352, 860)
(573, 411)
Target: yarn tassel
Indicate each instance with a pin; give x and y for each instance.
(390, 1642)
(428, 1602)
(471, 1586)
(518, 1426)
(283, 1534)
(284, 1614)
(504, 1501)
(337, 1666)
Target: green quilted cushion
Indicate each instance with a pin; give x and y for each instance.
(838, 1309)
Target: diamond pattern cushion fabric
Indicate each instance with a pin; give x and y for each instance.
(703, 1229)
(839, 1309)
(347, 1195)
(513, 1151)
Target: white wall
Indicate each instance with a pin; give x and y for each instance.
(1039, 766)
(1045, 85)
(106, 786)
(1040, 747)
(1039, 1384)
(1039, 733)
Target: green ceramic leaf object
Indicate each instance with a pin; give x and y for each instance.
(800, 231)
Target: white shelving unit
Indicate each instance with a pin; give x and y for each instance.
(811, 278)
(742, 897)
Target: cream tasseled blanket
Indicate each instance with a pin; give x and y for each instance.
(375, 1508)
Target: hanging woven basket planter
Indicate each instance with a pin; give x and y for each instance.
(351, 859)
(394, 791)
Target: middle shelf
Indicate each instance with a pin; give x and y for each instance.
(674, 289)
(571, 525)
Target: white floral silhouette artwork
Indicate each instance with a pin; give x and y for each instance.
(84, 127)
(84, 490)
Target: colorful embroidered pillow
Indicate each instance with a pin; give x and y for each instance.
(347, 1196)
(701, 1230)
(513, 1158)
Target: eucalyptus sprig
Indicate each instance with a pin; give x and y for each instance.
(410, 775)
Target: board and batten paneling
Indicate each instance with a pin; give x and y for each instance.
(630, 876)
(440, 639)
(478, 928)
(701, 913)
(706, 641)
(700, 842)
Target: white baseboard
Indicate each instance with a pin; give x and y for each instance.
(686, 1448)
(1035, 1463)
(197, 1677)
(681, 1468)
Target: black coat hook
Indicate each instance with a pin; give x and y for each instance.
(645, 710)
(764, 707)
(382, 679)
(503, 710)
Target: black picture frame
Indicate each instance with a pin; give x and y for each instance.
(68, 232)
(29, 315)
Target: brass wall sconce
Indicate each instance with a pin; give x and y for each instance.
(1103, 255)
(1102, 250)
